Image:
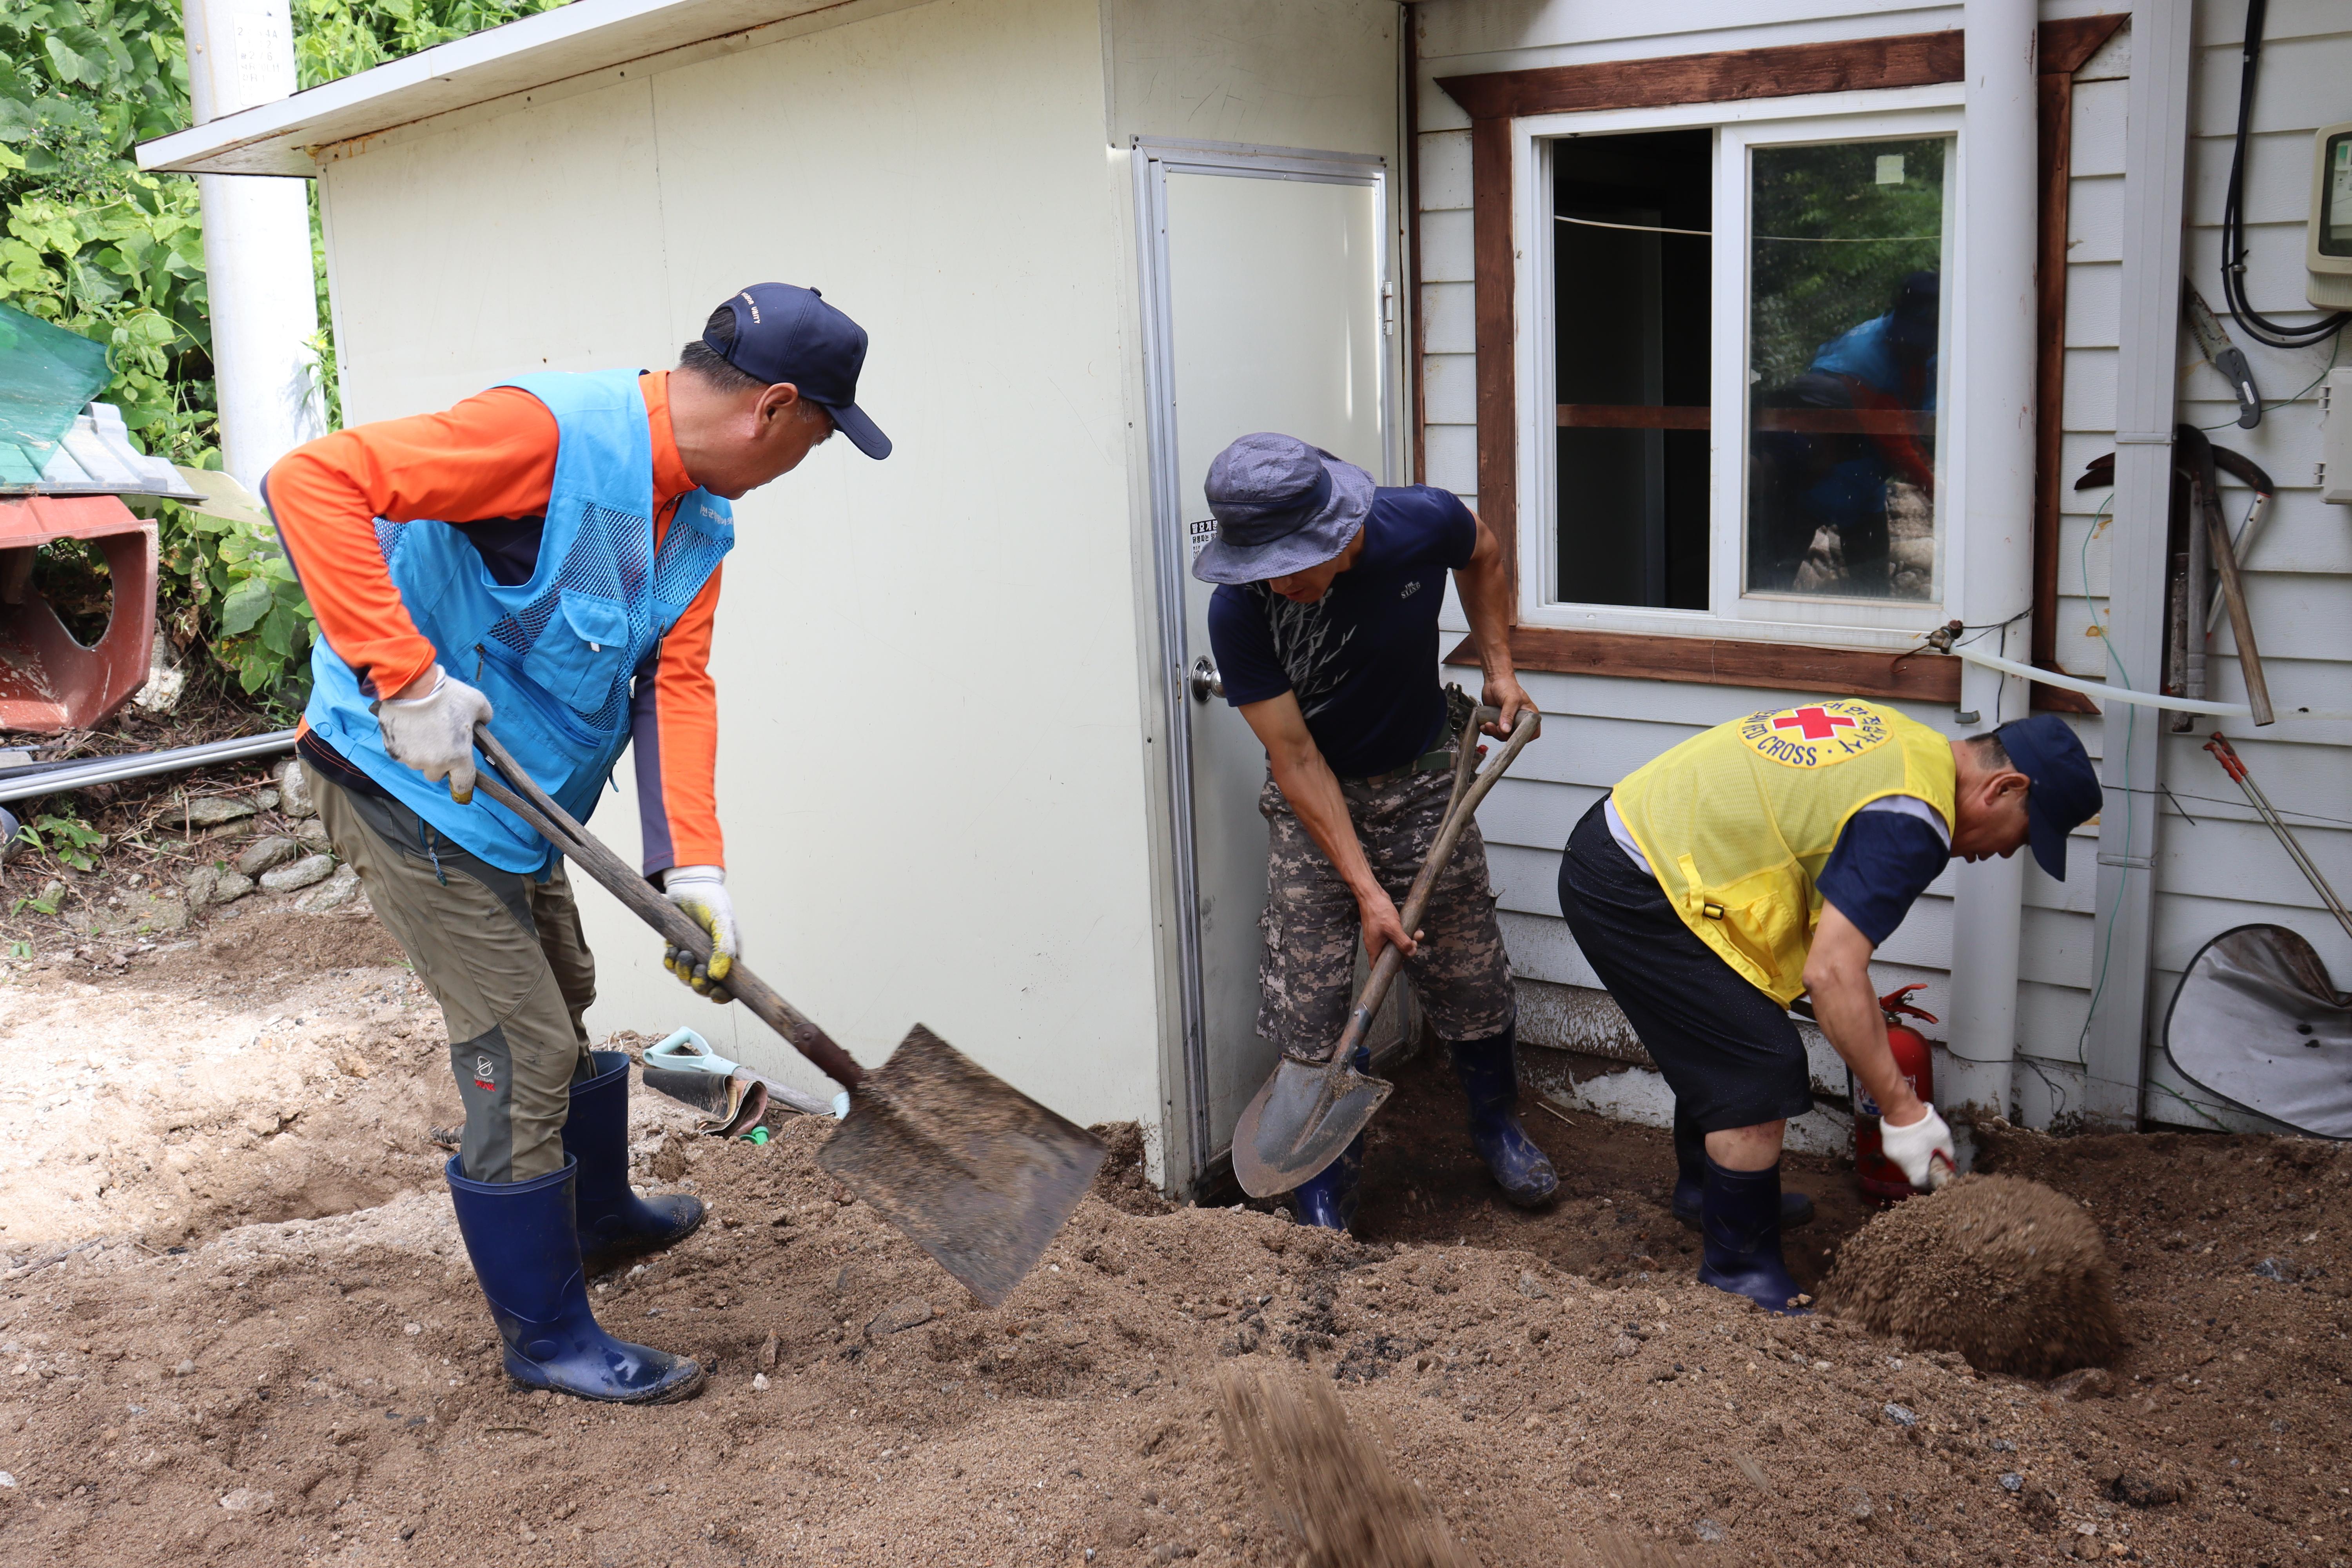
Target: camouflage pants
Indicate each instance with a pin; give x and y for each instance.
(1307, 975)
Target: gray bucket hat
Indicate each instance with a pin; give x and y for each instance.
(1282, 506)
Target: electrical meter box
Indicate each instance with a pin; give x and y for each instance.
(2328, 254)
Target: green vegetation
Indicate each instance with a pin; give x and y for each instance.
(102, 249)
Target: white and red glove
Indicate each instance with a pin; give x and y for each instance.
(701, 892)
(1924, 1149)
(435, 733)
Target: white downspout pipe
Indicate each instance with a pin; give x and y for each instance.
(2156, 159)
(257, 267)
(1994, 382)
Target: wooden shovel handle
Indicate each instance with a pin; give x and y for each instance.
(513, 788)
(1466, 796)
(2233, 597)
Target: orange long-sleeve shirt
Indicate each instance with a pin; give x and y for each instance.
(492, 460)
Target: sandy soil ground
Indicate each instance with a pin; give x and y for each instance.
(237, 1325)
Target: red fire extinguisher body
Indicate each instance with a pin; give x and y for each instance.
(1881, 1178)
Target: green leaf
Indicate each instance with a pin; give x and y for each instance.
(246, 603)
(78, 55)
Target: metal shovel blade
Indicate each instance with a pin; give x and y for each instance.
(1300, 1121)
(976, 1173)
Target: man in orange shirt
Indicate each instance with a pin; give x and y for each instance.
(544, 558)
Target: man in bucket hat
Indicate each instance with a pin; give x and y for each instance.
(1767, 858)
(1325, 632)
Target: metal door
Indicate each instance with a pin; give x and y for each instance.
(1267, 306)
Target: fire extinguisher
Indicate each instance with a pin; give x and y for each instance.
(1880, 1178)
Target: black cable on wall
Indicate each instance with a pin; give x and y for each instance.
(2259, 327)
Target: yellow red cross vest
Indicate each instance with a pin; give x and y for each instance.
(1737, 821)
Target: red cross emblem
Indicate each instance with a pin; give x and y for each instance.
(1816, 723)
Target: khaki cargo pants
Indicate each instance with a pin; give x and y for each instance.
(503, 953)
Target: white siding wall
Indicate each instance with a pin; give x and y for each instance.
(2219, 873)
(2227, 870)
(931, 767)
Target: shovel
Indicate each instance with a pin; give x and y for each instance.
(973, 1171)
(1308, 1112)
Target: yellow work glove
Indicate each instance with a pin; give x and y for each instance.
(701, 892)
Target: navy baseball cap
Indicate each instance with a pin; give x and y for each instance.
(2065, 793)
(787, 333)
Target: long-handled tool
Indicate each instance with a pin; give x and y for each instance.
(1309, 1112)
(2234, 765)
(976, 1173)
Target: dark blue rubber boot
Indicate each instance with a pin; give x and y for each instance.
(1328, 1197)
(613, 1221)
(527, 1255)
(1489, 1071)
(1741, 1224)
(1690, 1179)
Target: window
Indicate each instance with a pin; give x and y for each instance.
(1745, 350)
(1846, 310)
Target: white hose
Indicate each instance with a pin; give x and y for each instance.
(2099, 691)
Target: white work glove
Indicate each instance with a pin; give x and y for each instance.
(701, 892)
(435, 733)
(1919, 1149)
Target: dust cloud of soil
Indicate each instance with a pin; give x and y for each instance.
(324, 1386)
(2007, 1272)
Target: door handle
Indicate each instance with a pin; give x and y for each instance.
(1204, 680)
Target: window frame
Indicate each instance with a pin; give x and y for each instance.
(1893, 113)
(1494, 100)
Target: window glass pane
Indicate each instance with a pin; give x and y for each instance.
(1631, 265)
(1845, 322)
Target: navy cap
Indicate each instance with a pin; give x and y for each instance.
(784, 333)
(2065, 793)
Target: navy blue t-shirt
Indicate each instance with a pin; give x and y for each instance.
(1362, 659)
(1878, 867)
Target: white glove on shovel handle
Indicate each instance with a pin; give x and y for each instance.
(1924, 1149)
(435, 733)
(701, 892)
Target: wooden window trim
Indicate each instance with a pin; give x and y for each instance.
(1495, 99)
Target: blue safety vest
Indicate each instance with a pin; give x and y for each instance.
(555, 654)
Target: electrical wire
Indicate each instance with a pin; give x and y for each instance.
(2259, 327)
(2336, 349)
(1783, 238)
(2131, 725)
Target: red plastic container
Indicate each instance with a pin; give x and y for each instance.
(1881, 1178)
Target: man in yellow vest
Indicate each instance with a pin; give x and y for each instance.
(1766, 858)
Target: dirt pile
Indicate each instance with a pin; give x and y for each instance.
(2007, 1272)
(326, 1387)
(1323, 1480)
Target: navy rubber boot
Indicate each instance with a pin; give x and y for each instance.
(1741, 1224)
(1489, 1071)
(1690, 1180)
(615, 1221)
(1328, 1197)
(527, 1255)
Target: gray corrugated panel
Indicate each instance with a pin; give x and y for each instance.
(95, 456)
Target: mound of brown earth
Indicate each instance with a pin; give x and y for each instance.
(2001, 1270)
(209, 1353)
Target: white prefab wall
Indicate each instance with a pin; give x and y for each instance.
(930, 767)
